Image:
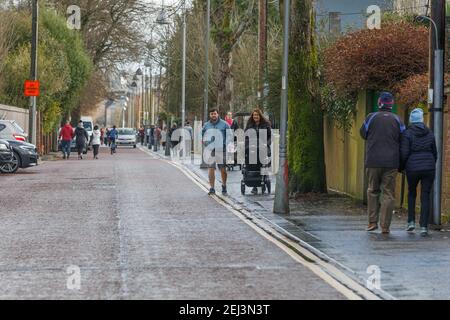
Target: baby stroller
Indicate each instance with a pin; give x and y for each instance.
(252, 176)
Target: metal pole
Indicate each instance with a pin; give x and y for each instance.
(183, 87)
(33, 71)
(168, 125)
(143, 101)
(206, 89)
(207, 36)
(438, 125)
(262, 46)
(281, 203)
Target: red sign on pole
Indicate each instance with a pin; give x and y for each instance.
(32, 88)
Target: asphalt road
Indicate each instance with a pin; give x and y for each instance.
(137, 228)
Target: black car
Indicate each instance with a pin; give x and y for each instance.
(6, 156)
(25, 155)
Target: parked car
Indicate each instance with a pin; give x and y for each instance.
(25, 155)
(126, 137)
(11, 130)
(6, 156)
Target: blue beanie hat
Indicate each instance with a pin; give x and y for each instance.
(416, 116)
(386, 100)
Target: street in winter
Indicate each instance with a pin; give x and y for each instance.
(219, 150)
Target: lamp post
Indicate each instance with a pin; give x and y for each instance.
(206, 89)
(161, 20)
(33, 72)
(133, 105)
(437, 111)
(139, 73)
(281, 203)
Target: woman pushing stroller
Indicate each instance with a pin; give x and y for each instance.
(263, 134)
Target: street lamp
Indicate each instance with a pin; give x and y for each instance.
(203, 165)
(33, 71)
(437, 110)
(141, 107)
(133, 105)
(281, 203)
(162, 20)
(123, 116)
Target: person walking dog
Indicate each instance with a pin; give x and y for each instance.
(382, 131)
(418, 157)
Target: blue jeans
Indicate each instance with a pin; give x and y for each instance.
(65, 146)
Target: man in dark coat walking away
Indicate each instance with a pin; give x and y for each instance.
(382, 130)
(82, 137)
(418, 157)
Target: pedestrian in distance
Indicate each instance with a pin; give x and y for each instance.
(82, 138)
(102, 136)
(260, 125)
(107, 142)
(113, 134)
(142, 135)
(174, 128)
(164, 137)
(157, 137)
(218, 150)
(66, 135)
(231, 122)
(96, 141)
(382, 131)
(418, 157)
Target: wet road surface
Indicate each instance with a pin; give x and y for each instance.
(135, 227)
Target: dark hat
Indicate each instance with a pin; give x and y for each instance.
(386, 100)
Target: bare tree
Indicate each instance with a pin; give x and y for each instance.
(113, 30)
(230, 19)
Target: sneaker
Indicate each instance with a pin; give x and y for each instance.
(424, 231)
(212, 191)
(224, 190)
(255, 191)
(411, 226)
(372, 227)
(385, 231)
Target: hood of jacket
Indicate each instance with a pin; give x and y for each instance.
(419, 129)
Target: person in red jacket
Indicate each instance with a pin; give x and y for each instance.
(66, 136)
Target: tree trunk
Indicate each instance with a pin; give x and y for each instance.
(305, 137)
(223, 83)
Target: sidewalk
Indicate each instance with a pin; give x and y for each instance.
(411, 267)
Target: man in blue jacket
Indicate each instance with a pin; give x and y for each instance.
(382, 130)
(218, 135)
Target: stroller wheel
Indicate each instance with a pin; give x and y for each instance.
(243, 188)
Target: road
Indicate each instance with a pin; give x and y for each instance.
(137, 228)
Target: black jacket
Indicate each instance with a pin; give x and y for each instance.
(382, 130)
(250, 145)
(81, 136)
(418, 149)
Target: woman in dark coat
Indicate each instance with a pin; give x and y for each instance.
(260, 125)
(418, 158)
(81, 137)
